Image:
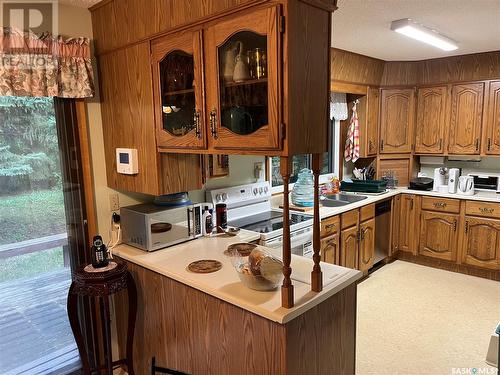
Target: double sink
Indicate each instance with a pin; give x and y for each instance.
(339, 200)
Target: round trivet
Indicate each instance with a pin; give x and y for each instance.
(243, 248)
(109, 267)
(205, 266)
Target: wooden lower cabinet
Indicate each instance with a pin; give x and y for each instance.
(395, 218)
(349, 247)
(481, 245)
(438, 235)
(330, 249)
(407, 223)
(366, 245)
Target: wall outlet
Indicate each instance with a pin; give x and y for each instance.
(258, 170)
(114, 202)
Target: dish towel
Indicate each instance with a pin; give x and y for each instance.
(352, 143)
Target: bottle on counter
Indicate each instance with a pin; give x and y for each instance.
(207, 222)
(99, 253)
(221, 212)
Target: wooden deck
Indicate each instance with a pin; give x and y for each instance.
(35, 334)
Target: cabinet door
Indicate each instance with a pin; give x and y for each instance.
(438, 235)
(407, 230)
(431, 120)
(367, 245)
(466, 118)
(349, 248)
(242, 70)
(481, 245)
(330, 249)
(371, 131)
(396, 120)
(395, 218)
(493, 119)
(178, 91)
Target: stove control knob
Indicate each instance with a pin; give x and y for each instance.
(224, 196)
(266, 189)
(260, 190)
(218, 198)
(255, 191)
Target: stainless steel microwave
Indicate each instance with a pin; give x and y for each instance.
(150, 227)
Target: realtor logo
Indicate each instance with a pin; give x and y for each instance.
(35, 16)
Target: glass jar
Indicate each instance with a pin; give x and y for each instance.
(303, 190)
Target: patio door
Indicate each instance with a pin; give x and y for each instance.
(43, 232)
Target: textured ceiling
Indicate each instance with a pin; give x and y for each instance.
(80, 3)
(363, 26)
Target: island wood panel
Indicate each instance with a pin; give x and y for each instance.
(431, 119)
(466, 118)
(115, 23)
(306, 71)
(128, 121)
(355, 68)
(191, 331)
(397, 120)
(438, 235)
(491, 144)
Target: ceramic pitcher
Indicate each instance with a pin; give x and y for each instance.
(230, 61)
(241, 71)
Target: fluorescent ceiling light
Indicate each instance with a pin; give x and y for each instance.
(424, 34)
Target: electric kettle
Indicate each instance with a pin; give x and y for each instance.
(466, 185)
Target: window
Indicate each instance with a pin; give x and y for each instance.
(328, 170)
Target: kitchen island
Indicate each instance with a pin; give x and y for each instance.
(213, 324)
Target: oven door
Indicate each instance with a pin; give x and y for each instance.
(301, 242)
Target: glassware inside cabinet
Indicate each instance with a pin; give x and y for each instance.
(243, 85)
(178, 93)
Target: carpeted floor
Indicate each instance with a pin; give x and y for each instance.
(414, 319)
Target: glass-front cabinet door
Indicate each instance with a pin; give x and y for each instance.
(178, 91)
(242, 81)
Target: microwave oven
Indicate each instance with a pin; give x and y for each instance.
(150, 227)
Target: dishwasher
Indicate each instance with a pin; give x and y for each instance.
(382, 230)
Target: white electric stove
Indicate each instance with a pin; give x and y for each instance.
(249, 208)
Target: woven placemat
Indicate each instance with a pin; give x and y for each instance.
(243, 248)
(204, 266)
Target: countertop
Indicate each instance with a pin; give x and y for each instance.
(325, 212)
(225, 283)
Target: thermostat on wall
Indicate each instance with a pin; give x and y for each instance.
(126, 161)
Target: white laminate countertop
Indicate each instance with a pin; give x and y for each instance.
(225, 283)
(325, 212)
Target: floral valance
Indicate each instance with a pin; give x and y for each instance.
(42, 65)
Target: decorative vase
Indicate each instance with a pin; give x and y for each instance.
(303, 190)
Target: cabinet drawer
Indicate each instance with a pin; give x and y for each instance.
(367, 212)
(482, 209)
(441, 204)
(330, 225)
(349, 219)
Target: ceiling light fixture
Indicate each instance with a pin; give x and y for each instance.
(423, 34)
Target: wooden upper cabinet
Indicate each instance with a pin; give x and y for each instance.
(438, 235)
(241, 81)
(368, 111)
(431, 119)
(178, 91)
(481, 245)
(366, 245)
(397, 120)
(492, 130)
(466, 118)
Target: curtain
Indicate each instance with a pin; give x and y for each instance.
(42, 65)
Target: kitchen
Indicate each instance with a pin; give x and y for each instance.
(289, 193)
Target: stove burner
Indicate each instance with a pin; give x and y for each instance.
(267, 221)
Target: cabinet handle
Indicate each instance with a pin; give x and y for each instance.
(486, 210)
(440, 143)
(477, 144)
(213, 123)
(329, 226)
(381, 145)
(411, 204)
(197, 124)
(455, 225)
(439, 204)
(466, 226)
(489, 144)
(370, 145)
